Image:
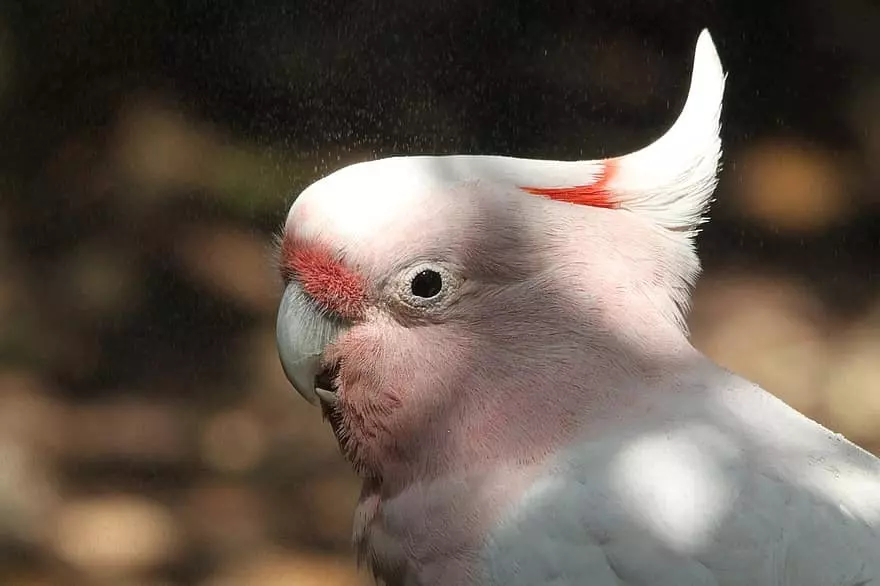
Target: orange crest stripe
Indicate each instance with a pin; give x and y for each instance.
(596, 194)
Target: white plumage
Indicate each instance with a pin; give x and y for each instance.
(541, 419)
(704, 484)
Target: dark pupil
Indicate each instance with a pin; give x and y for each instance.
(427, 284)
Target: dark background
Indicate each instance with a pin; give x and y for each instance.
(149, 153)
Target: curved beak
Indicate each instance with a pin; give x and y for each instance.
(302, 331)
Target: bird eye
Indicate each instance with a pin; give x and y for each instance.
(426, 284)
(427, 287)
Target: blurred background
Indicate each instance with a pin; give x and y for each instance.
(149, 153)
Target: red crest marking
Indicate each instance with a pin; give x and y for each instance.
(323, 277)
(596, 194)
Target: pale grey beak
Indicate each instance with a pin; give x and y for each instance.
(303, 330)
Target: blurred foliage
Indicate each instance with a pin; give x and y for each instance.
(149, 153)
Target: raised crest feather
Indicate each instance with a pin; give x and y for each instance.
(670, 180)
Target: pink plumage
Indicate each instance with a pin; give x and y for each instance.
(511, 376)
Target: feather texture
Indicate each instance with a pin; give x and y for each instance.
(543, 419)
(727, 487)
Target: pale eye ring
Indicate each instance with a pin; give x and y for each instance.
(427, 285)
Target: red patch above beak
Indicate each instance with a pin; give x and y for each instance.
(323, 277)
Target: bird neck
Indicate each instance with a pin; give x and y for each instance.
(520, 414)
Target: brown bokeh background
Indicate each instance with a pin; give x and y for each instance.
(149, 152)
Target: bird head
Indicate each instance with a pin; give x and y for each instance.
(429, 301)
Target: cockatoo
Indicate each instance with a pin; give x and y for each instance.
(499, 345)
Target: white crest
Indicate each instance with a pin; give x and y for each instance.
(672, 179)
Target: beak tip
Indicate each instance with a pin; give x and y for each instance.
(326, 397)
(302, 380)
(301, 335)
